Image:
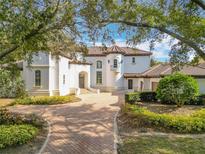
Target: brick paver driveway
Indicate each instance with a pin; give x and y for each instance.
(85, 127)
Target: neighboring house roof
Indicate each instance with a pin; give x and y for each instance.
(166, 69)
(79, 63)
(102, 51)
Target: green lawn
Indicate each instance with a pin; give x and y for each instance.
(162, 145)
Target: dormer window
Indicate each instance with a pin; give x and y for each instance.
(133, 60)
(99, 64)
(115, 63)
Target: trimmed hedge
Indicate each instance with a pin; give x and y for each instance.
(140, 96)
(16, 134)
(194, 123)
(132, 97)
(46, 100)
(148, 96)
(151, 97)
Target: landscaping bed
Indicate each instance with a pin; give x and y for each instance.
(46, 100)
(16, 134)
(141, 117)
(150, 128)
(170, 109)
(21, 133)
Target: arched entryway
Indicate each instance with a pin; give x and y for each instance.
(83, 80)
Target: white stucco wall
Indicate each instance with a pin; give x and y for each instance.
(93, 69)
(135, 84)
(114, 80)
(141, 64)
(41, 58)
(201, 83)
(39, 63)
(63, 70)
(75, 70)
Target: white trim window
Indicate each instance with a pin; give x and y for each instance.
(99, 77)
(115, 63)
(37, 78)
(99, 64)
(133, 60)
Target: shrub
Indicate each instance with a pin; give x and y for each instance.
(132, 97)
(7, 117)
(177, 88)
(16, 134)
(45, 100)
(140, 96)
(11, 84)
(194, 123)
(198, 100)
(148, 96)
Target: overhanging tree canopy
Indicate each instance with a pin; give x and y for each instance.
(27, 26)
(155, 19)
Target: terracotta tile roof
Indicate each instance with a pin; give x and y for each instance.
(102, 51)
(196, 71)
(166, 69)
(79, 62)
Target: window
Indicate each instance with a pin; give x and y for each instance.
(115, 63)
(99, 77)
(37, 78)
(99, 64)
(130, 84)
(133, 59)
(141, 85)
(64, 79)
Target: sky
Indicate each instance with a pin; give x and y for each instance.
(160, 52)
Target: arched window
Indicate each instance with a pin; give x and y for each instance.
(115, 63)
(37, 78)
(99, 64)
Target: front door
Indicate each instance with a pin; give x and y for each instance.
(81, 81)
(130, 84)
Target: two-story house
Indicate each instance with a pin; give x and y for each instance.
(104, 70)
(110, 64)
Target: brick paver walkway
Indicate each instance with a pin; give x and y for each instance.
(85, 127)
